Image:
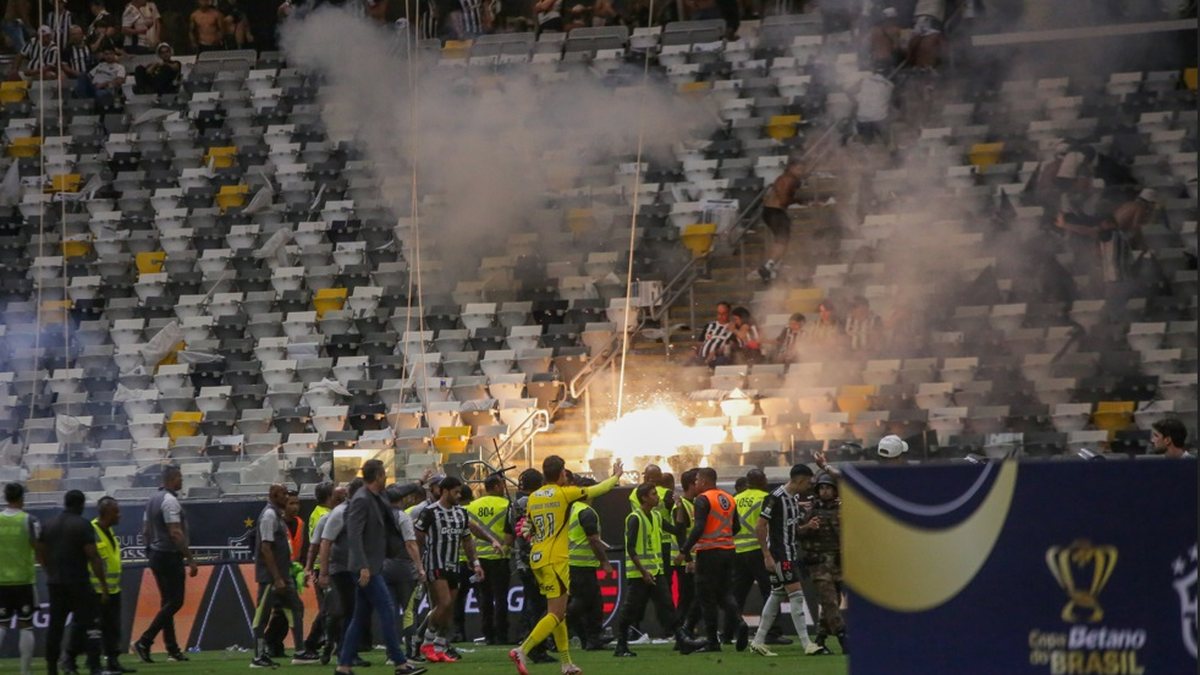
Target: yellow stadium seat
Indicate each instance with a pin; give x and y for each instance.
(456, 49)
(804, 300)
(698, 238)
(221, 157)
(856, 398)
(984, 155)
(1113, 416)
(695, 88)
(55, 311)
(65, 182)
(29, 146)
(329, 300)
(172, 356)
(232, 196)
(580, 220)
(451, 440)
(783, 127)
(150, 262)
(14, 91)
(76, 248)
(1189, 78)
(46, 473)
(183, 423)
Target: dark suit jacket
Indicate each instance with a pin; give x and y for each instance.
(371, 532)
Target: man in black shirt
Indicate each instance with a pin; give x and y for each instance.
(70, 545)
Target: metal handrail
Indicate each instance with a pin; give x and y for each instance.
(539, 417)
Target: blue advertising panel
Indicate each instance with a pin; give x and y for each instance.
(1045, 567)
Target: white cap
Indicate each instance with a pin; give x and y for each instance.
(892, 446)
(1148, 195)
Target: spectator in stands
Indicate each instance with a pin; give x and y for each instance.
(717, 340)
(1169, 437)
(778, 197)
(749, 344)
(873, 101)
(77, 59)
(39, 59)
(549, 16)
(236, 24)
(376, 10)
(107, 77)
(891, 449)
(925, 46)
(206, 27)
(102, 27)
(17, 26)
(1116, 236)
(142, 25)
(464, 19)
(883, 41)
(160, 77)
(862, 326)
(827, 330)
(59, 21)
(791, 339)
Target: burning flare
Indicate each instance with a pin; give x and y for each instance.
(651, 432)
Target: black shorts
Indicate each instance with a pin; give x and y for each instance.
(451, 577)
(19, 601)
(777, 222)
(786, 573)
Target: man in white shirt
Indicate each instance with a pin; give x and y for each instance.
(873, 106)
(107, 77)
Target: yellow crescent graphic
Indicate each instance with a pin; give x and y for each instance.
(911, 569)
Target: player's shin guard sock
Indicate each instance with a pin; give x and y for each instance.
(562, 642)
(25, 643)
(431, 637)
(540, 632)
(767, 618)
(796, 603)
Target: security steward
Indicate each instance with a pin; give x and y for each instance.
(492, 512)
(109, 616)
(712, 534)
(588, 555)
(749, 569)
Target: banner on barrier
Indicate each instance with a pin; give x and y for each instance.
(1055, 568)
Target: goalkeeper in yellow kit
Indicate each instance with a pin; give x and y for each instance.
(546, 524)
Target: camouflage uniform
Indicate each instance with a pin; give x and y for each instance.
(823, 561)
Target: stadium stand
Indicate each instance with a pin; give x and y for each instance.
(153, 309)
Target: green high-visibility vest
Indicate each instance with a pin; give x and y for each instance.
(16, 550)
(489, 512)
(648, 546)
(315, 517)
(110, 554)
(581, 553)
(749, 505)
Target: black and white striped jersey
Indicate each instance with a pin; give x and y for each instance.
(782, 512)
(444, 530)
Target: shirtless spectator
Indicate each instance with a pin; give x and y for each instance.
(780, 195)
(791, 339)
(883, 41)
(1118, 235)
(717, 340)
(206, 27)
(925, 47)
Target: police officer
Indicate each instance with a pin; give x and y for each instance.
(493, 513)
(712, 535)
(165, 530)
(20, 545)
(749, 568)
(823, 558)
(109, 617)
(588, 555)
(70, 552)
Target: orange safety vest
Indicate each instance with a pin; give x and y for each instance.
(718, 528)
(297, 539)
